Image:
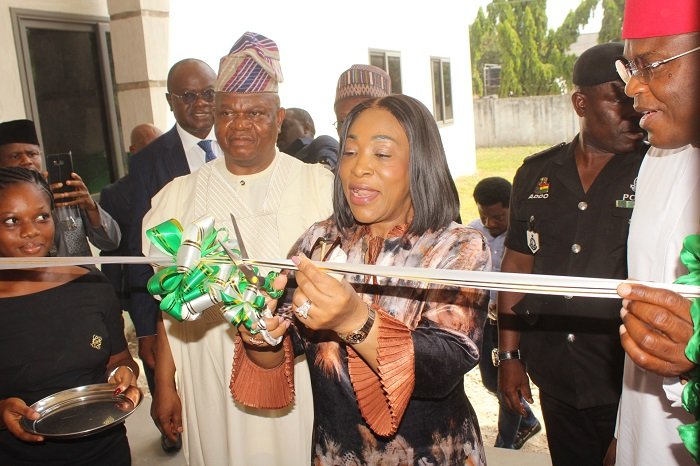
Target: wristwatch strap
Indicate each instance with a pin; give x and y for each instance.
(497, 357)
(359, 335)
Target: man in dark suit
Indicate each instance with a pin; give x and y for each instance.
(296, 138)
(115, 199)
(180, 151)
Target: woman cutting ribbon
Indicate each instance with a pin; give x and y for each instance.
(60, 328)
(387, 356)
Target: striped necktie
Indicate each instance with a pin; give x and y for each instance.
(209, 154)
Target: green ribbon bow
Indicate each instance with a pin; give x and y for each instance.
(237, 309)
(195, 282)
(690, 433)
(176, 287)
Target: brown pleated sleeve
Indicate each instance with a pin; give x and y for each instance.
(383, 397)
(258, 387)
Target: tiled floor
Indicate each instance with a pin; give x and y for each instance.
(145, 446)
(144, 439)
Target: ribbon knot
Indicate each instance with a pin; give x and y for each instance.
(203, 275)
(690, 433)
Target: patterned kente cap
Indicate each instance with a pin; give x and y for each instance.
(363, 81)
(252, 65)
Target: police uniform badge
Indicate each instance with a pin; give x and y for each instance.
(533, 238)
(541, 190)
(627, 201)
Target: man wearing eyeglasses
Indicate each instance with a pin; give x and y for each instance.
(569, 215)
(660, 69)
(182, 150)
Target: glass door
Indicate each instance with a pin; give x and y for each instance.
(69, 92)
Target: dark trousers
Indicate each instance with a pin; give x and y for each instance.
(577, 437)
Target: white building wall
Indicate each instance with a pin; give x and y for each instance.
(11, 98)
(317, 39)
(320, 39)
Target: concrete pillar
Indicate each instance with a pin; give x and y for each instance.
(139, 33)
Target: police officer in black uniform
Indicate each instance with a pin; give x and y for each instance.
(569, 215)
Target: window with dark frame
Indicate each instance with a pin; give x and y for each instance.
(73, 111)
(391, 63)
(442, 90)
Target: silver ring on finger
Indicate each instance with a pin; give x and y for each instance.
(303, 310)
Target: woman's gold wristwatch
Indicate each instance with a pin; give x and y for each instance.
(359, 335)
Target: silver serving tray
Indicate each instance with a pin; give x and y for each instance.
(82, 411)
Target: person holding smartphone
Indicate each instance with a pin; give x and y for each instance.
(78, 217)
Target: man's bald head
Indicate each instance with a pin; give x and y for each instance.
(189, 65)
(142, 135)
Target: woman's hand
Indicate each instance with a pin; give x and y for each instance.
(124, 377)
(276, 325)
(334, 304)
(11, 412)
(279, 283)
(126, 381)
(123, 371)
(260, 351)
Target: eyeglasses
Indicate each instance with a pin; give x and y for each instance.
(337, 124)
(627, 70)
(190, 97)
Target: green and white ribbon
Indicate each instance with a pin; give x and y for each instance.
(560, 285)
(202, 275)
(690, 433)
(184, 287)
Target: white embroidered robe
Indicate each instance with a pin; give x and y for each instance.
(272, 208)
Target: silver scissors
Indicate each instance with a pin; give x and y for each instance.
(255, 282)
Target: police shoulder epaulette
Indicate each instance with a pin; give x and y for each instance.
(549, 150)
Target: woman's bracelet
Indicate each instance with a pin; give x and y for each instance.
(114, 371)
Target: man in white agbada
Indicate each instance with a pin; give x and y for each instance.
(274, 198)
(662, 61)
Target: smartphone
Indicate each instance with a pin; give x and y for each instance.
(60, 166)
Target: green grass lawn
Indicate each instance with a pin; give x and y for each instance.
(492, 161)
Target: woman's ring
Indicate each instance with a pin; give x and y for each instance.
(255, 342)
(303, 310)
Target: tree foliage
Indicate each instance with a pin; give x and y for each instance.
(533, 59)
(611, 27)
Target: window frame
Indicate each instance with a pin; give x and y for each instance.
(439, 113)
(396, 84)
(22, 20)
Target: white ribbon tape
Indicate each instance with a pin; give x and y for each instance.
(500, 281)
